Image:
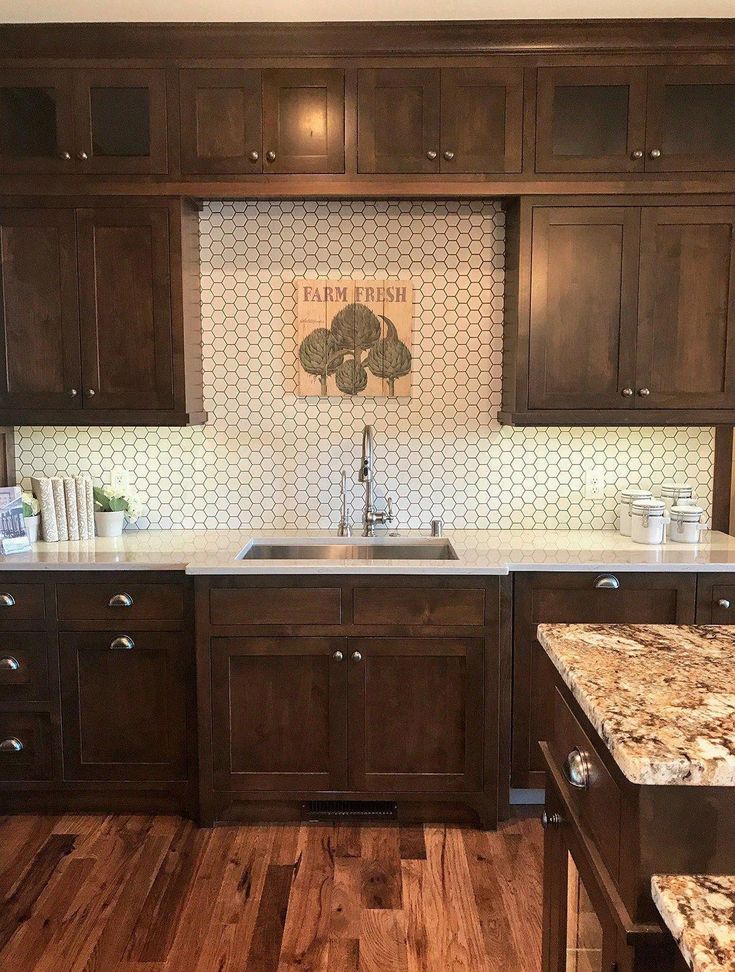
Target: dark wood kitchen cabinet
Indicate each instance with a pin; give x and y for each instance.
(635, 119)
(240, 121)
(716, 599)
(576, 598)
(83, 120)
(431, 120)
(106, 297)
(620, 314)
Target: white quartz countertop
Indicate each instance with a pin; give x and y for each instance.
(478, 552)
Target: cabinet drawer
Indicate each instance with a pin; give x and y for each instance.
(715, 599)
(275, 605)
(119, 602)
(21, 602)
(419, 605)
(25, 746)
(23, 667)
(598, 801)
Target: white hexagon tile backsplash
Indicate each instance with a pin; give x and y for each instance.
(269, 458)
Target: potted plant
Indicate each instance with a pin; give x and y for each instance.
(31, 515)
(111, 508)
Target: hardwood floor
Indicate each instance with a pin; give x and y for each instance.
(154, 894)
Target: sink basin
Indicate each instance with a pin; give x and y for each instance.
(349, 550)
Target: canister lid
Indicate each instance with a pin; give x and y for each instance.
(648, 507)
(672, 489)
(632, 493)
(687, 514)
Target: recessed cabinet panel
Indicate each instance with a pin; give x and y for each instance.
(36, 120)
(303, 120)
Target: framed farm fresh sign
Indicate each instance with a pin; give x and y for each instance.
(354, 337)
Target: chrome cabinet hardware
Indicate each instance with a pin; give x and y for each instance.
(577, 769)
(121, 600)
(253, 156)
(11, 745)
(82, 156)
(65, 156)
(123, 643)
(73, 392)
(8, 663)
(606, 582)
(723, 603)
(270, 156)
(551, 819)
(431, 155)
(449, 156)
(356, 656)
(644, 392)
(627, 392)
(338, 656)
(7, 600)
(655, 153)
(91, 392)
(637, 154)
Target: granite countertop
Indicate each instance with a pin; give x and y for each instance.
(479, 552)
(699, 911)
(661, 696)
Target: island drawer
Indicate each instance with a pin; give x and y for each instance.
(595, 796)
(118, 601)
(715, 599)
(275, 605)
(22, 602)
(25, 746)
(23, 667)
(409, 605)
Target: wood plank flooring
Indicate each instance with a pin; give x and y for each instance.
(154, 894)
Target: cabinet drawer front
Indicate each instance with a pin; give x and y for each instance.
(25, 746)
(723, 604)
(598, 803)
(639, 599)
(23, 667)
(419, 605)
(119, 602)
(22, 602)
(275, 605)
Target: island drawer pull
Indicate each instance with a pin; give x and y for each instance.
(7, 600)
(723, 603)
(8, 663)
(121, 600)
(551, 819)
(606, 582)
(122, 643)
(11, 745)
(577, 769)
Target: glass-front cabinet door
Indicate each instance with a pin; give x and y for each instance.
(584, 936)
(36, 120)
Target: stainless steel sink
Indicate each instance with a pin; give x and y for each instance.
(335, 550)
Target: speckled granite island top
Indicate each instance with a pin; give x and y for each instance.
(661, 696)
(699, 911)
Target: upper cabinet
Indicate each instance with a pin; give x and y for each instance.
(91, 120)
(635, 119)
(440, 120)
(239, 122)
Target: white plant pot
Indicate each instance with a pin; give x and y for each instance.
(109, 524)
(32, 524)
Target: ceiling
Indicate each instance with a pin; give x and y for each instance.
(48, 11)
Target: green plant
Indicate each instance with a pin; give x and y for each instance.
(109, 500)
(31, 506)
(319, 355)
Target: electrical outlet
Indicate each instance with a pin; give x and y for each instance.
(594, 483)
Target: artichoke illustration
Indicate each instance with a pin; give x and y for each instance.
(351, 377)
(319, 355)
(389, 358)
(355, 328)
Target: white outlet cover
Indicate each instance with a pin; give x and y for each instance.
(594, 483)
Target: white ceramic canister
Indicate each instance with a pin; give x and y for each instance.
(676, 494)
(625, 499)
(686, 524)
(648, 521)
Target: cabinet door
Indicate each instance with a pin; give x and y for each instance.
(691, 119)
(686, 331)
(591, 119)
(398, 120)
(120, 120)
(220, 121)
(584, 278)
(304, 120)
(39, 316)
(36, 120)
(124, 295)
(576, 598)
(715, 599)
(416, 714)
(481, 119)
(123, 701)
(279, 713)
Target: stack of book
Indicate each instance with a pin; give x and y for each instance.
(67, 507)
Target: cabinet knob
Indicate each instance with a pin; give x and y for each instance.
(356, 656)
(338, 656)
(122, 644)
(7, 600)
(723, 603)
(431, 155)
(627, 392)
(11, 745)
(91, 392)
(448, 156)
(638, 154)
(577, 769)
(606, 582)
(655, 154)
(254, 156)
(73, 392)
(82, 156)
(121, 601)
(9, 664)
(644, 392)
(551, 819)
(270, 156)
(65, 156)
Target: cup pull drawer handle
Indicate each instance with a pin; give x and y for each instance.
(7, 600)
(121, 600)
(577, 769)
(9, 664)
(606, 582)
(122, 644)
(723, 603)
(11, 745)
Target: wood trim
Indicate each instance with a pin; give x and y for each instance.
(722, 480)
(7, 457)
